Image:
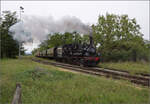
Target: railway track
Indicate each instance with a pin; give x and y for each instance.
(137, 79)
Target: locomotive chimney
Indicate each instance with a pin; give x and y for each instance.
(91, 38)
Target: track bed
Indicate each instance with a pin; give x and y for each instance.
(137, 79)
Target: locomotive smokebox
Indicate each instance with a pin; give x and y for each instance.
(91, 37)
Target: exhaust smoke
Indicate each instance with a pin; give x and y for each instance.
(37, 28)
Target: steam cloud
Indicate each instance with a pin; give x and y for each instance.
(37, 28)
(20, 33)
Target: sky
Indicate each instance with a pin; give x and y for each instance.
(86, 11)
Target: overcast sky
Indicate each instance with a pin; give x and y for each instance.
(86, 11)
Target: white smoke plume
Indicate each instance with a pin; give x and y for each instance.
(20, 33)
(37, 28)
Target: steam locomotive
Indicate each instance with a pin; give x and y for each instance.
(75, 53)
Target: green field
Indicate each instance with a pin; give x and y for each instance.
(131, 67)
(43, 84)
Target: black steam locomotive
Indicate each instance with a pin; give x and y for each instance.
(75, 53)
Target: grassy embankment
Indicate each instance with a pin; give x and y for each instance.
(131, 67)
(43, 84)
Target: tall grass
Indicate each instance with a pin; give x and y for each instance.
(132, 67)
(43, 84)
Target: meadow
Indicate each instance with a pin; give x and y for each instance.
(131, 67)
(44, 84)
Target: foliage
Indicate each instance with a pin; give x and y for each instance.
(59, 39)
(52, 85)
(9, 46)
(119, 38)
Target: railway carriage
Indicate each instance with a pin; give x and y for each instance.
(50, 53)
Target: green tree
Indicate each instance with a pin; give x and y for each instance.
(9, 46)
(59, 39)
(119, 38)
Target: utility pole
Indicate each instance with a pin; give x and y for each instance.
(21, 11)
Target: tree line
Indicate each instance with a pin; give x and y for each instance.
(120, 39)
(8, 46)
(117, 38)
